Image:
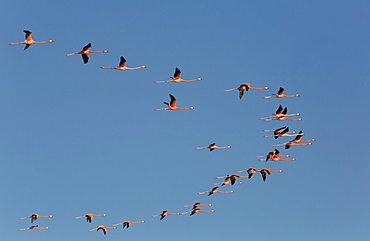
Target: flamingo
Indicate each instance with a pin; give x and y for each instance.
(195, 205)
(176, 78)
(29, 41)
(227, 181)
(89, 217)
(33, 227)
(213, 146)
(164, 214)
(197, 210)
(101, 227)
(245, 87)
(280, 114)
(280, 132)
(126, 224)
(122, 65)
(280, 94)
(86, 51)
(35, 216)
(231, 178)
(274, 156)
(296, 141)
(266, 171)
(172, 105)
(250, 172)
(214, 190)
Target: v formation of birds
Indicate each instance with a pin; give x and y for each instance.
(280, 114)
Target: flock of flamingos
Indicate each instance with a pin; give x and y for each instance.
(280, 114)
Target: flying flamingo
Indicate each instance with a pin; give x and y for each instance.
(281, 114)
(35, 216)
(245, 87)
(214, 190)
(266, 171)
(231, 178)
(213, 146)
(250, 172)
(33, 227)
(86, 51)
(172, 105)
(274, 156)
(296, 141)
(195, 205)
(126, 224)
(164, 214)
(280, 132)
(89, 217)
(29, 41)
(122, 65)
(197, 210)
(176, 78)
(101, 227)
(280, 94)
(227, 181)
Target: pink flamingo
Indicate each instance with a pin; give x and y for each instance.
(296, 141)
(266, 171)
(195, 205)
(164, 214)
(250, 172)
(245, 87)
(281, 114)
(213, 146)
(89, 217)
(172, 105)
(29, 41)
(33, 227)
(35, 216)
(176, 78)
(122, 65)
(103, 228)
(280, 132)
(85, 51)
(214, 190)
(126, 224)
(231, 178)
(280, 94)
(274, 156)
(197, 210)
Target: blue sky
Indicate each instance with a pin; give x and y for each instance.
(78, 139)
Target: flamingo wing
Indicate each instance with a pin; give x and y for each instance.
(177, 73)
(86, 47)
(241, 93)
(285, 110)
(28, 34)
(173, 100)
(27, 46)
(85, 58)
(299, 136)
(279, 110)
(122, 62)
(281, 90)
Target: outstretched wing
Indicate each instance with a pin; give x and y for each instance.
(285, 110)
(86, 47)
(27, 46)
(122, 62)
(173, 100)
(28, 34)
(177, 73)
(281, 90)
(85, 58)
(279, 110)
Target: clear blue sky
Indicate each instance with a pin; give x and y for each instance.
(77, 139)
